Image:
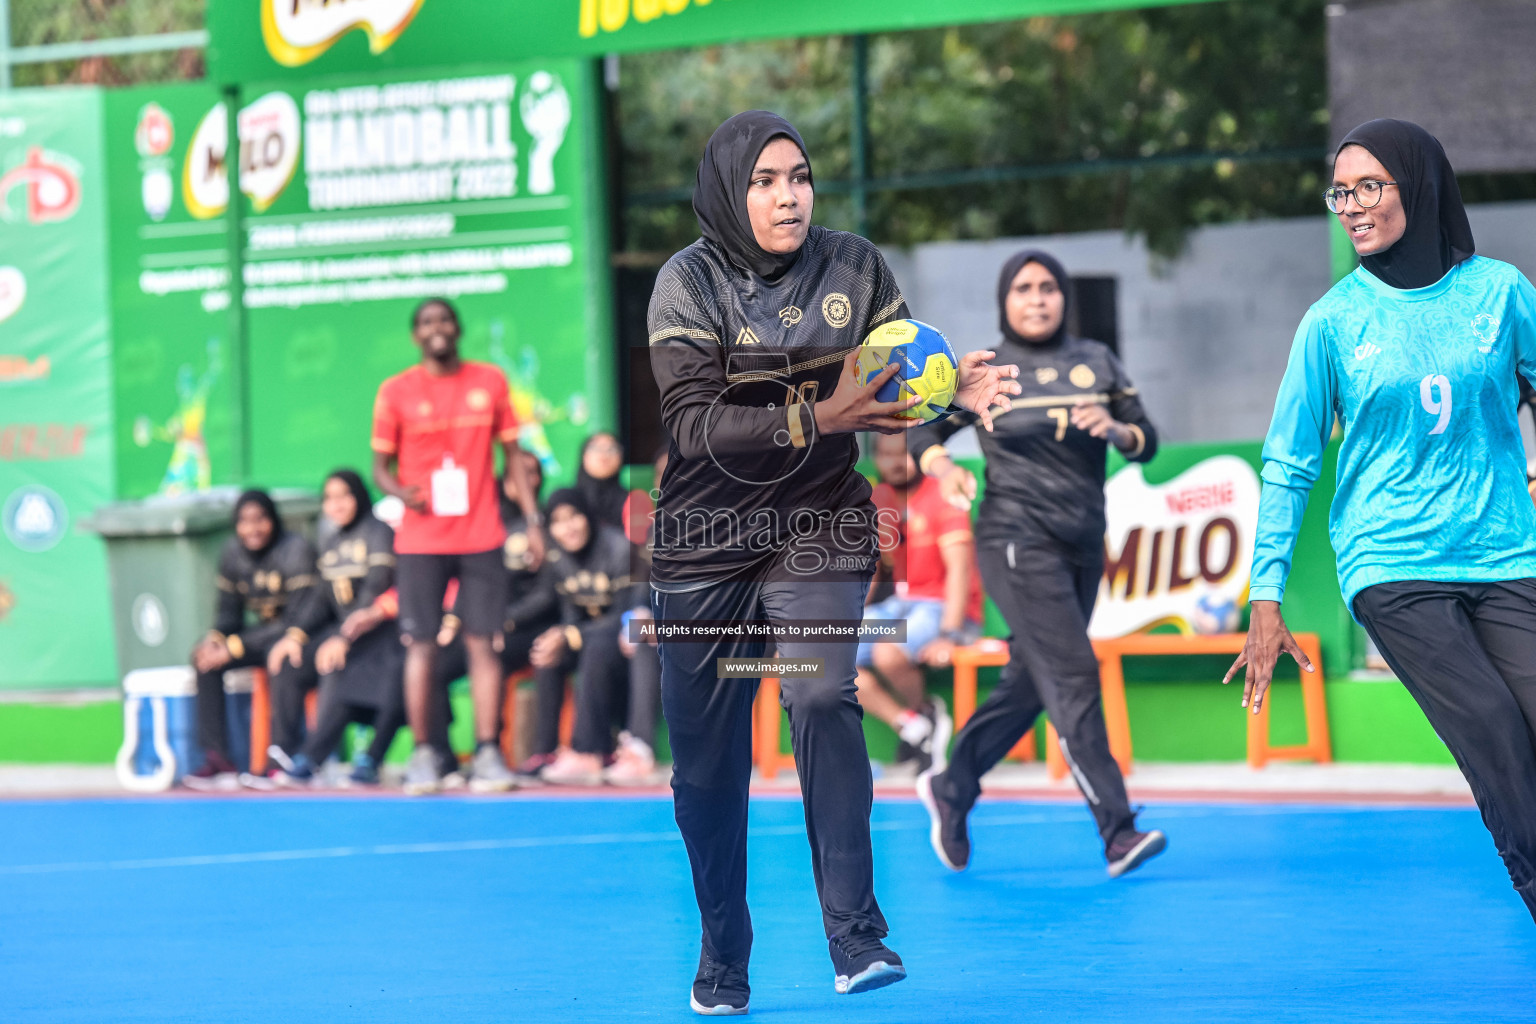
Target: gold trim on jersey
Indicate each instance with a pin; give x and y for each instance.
(684, 332)
(930, 454)
(809, 364)
(887, 311)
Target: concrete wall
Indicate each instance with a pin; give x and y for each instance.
(1206, 337)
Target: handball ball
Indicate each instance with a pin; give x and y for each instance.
(1215, 614)
(929, 368)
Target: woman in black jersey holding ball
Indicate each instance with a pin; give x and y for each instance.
(754, 333)
(1040, 546)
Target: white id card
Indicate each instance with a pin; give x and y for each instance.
(450, 489)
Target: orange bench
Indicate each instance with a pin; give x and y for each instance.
(1110, 653)
(261, 717)
(509, 713)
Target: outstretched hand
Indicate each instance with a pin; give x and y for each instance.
(984, 389)
(1268, 637)
(853, 406)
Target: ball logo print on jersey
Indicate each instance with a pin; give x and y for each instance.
(1486, 327)
(837, 309)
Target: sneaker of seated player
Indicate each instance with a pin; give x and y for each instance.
(948, 832)
(299, 774)
(719, 989)
(489, 772)
(571, 768)
(216, 774)
(529, 770)
(364, 771)
(1130, 850)
(422, 772)
(634, 763)
(863, 963)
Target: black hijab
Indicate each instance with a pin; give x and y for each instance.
(264, 501)
(1010, 271)
(720, 196)
(1437, 236)
(572, 497)
(604, 498)
(359, 494)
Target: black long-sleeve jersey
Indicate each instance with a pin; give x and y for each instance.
(260, 598)
(1044, 477)
(530, 606)
(356, 566)
(592, 589)
(740, 363)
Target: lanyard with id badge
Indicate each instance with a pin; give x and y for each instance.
(450, 489)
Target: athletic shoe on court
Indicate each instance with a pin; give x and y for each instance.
(421, 772)
(948, 831)
(936, 746)
(299, 774)
(719, 990)
(634, 763)
(863, 963)
(262, 782)
(489, 772)
(216, 775)
(573, 769)
(1133, 849)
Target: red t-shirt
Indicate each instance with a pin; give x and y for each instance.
(928, 524)
(419, 419)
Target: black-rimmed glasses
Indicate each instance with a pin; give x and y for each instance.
(1367, 194)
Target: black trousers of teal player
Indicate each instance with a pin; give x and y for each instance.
(1467, 654)
(709, 723)
(1046, 592)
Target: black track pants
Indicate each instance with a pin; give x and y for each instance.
(1467, 654)
(709, 721)
(1047, 596)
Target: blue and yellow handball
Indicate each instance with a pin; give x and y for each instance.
(929, 368)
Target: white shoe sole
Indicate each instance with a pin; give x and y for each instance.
(877, 975)
(1150, 847)
(719, 1010)
(925, 794)
(492, 785)
(421, 788)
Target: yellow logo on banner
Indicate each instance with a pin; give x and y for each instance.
(298, 31)
(612, 15)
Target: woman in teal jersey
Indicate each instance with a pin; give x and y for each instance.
(1417, 354)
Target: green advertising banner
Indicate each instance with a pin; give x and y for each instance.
(256, 39)
(56, 460)
(172, 357)
(368, 195)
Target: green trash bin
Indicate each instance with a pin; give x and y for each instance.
(162, 556)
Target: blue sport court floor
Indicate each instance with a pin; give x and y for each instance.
(538, 908)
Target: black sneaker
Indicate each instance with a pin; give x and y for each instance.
(863, 963)
(719, 990)
(215, 775)
(1133, 849)
(948, 831)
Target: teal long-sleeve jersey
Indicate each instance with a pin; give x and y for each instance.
(1431, 470)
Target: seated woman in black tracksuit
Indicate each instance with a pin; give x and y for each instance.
(265, 584)
(350, 644)
(588, 569)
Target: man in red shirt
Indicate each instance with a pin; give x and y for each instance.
(938, 592)
(435, 428)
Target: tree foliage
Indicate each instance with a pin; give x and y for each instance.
(40, 22)
(1239, 77)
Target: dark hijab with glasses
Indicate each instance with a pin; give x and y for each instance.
(1438, 235)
